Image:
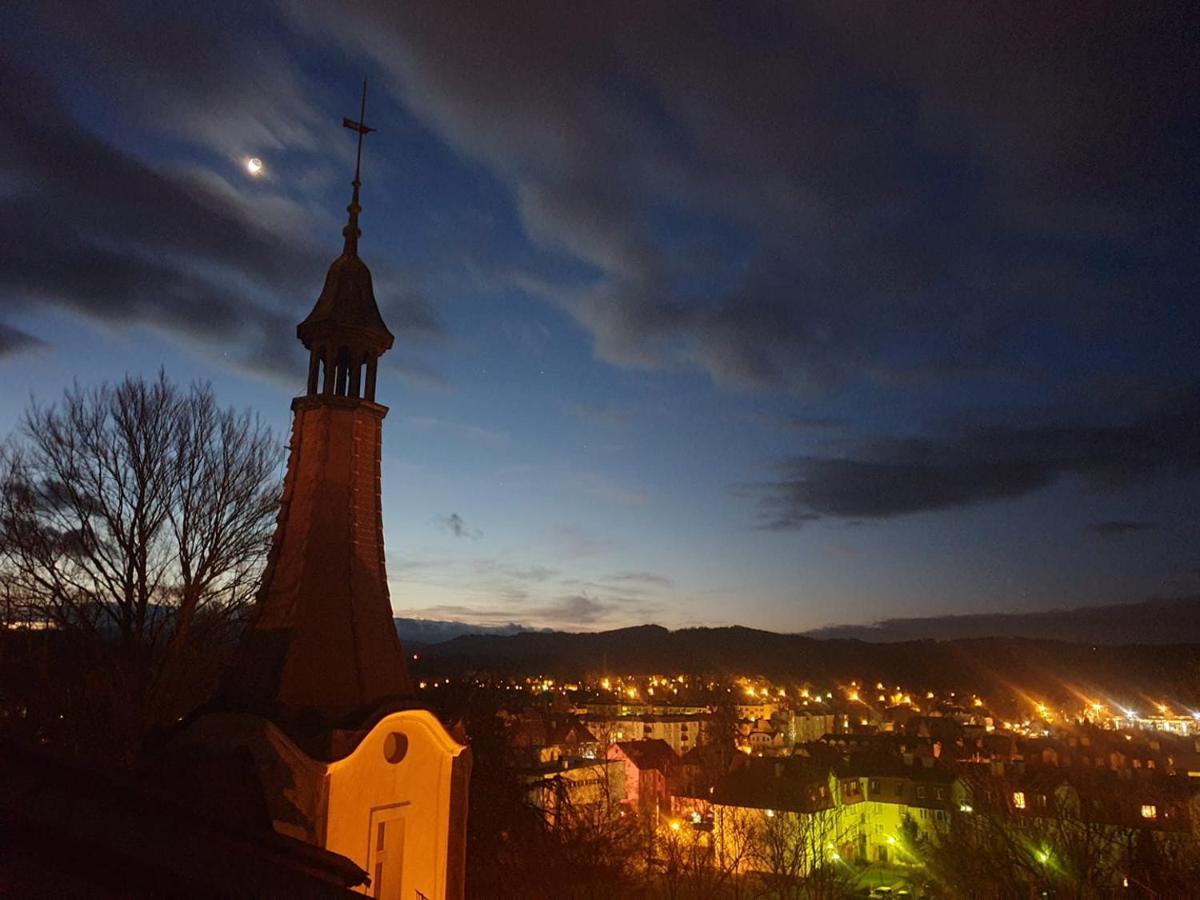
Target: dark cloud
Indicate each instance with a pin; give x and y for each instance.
(411, 314)
(501, 581)
(893, 477)
(577, 609)
(651, 579)
(1117, 528)
(527, 573)
(214, 76)
(870, 195)
(783, 197)
(582, 609)
(97, 230)
(13, 341)
(460, 613)
(456, 526)
(567, 612)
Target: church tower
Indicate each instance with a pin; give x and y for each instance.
(321, 645)
(318, 700)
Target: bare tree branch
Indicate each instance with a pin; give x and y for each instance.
(133, 513)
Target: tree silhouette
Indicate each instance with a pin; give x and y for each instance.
(134, 523)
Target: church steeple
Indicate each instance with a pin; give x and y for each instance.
(321, 647)
(317, 700)
(344, 333)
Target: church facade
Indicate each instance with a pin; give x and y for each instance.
(318, 703)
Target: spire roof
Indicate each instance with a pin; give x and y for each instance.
(346, 311)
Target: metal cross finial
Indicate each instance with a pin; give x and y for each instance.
(351, 231)
(361, 127)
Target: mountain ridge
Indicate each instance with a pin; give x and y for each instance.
(1156, 620)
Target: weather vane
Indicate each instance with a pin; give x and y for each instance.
(351, 232)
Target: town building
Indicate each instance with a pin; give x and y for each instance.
(681, 730)
(649, 768)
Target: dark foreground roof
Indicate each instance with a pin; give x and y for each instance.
(67, 830)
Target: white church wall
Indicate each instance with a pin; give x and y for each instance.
(389, 805)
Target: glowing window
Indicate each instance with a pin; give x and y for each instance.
(1149, 811)
(1019, 799)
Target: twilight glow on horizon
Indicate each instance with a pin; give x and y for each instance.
(762, 315)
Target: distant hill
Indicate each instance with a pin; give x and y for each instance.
(993, 665)
(1156, 621)
(419, 632)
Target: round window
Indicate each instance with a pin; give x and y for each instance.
(395, 747)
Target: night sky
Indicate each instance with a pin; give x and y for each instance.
(775, 315)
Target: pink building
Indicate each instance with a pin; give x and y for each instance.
(648, 767)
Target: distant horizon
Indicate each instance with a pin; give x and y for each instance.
(1107, 623)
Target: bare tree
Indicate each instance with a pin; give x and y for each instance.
(797, 854)
(706, 852)
(735, 835)
(138, 516)
(516, 850)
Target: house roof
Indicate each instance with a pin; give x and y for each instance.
(649, 754)
(792, 785)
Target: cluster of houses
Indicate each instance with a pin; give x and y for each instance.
(875, 792)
